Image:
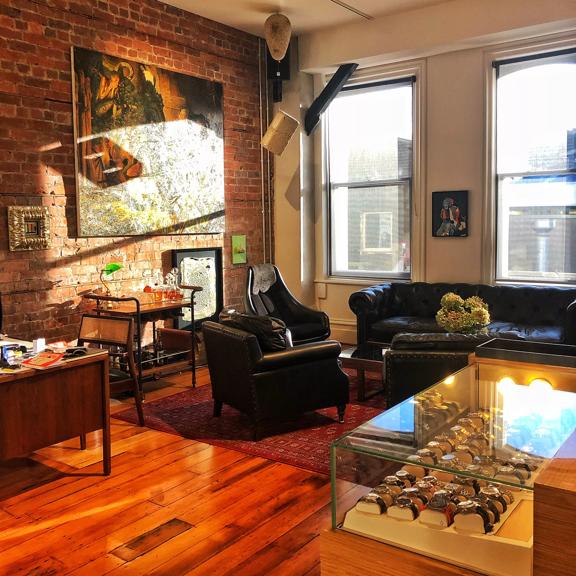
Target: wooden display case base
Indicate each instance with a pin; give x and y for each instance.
(507, 551)
(345, 554)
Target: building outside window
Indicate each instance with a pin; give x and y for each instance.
(369, 150)
(376, 231)
(536, 168)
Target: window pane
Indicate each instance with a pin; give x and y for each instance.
(371, 134)
(536, 115)
(537, 228)
(536, 133)
(370, 141)
(371, 230)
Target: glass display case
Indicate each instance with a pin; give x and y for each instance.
(450, 473)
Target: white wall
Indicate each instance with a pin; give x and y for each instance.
(447, 26)
(454, 127)
(455, 159)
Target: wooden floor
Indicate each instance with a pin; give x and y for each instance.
(171, 507)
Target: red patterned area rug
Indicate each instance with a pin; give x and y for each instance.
(302, 442)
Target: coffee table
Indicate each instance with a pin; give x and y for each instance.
(362, 358)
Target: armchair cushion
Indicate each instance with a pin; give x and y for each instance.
(271, 332)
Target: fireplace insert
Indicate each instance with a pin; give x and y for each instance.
(200, 267)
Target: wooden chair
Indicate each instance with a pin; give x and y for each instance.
(117, 335)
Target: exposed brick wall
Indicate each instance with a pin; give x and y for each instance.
(41, 289)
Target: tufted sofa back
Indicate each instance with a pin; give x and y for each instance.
(519, 304)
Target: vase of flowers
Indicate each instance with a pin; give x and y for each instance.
(462, 315)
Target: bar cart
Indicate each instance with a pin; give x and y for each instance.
(143, 311)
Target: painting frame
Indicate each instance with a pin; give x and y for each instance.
(187, 181)
(178, 258)
(239, 250)
(28, 228)
(450, 214)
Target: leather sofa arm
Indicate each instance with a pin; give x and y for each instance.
(570, 324)
(298, 355)
(370, 300)
(369, 304)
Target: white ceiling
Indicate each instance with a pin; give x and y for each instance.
(305, 15)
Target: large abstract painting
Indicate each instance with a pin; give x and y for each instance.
(149, 149)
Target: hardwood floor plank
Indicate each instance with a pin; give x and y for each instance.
(265, 561)
(295, 505)
(302, 561)
(283, 548)
(97, 567)
(59, 537)
(221, 479)
(83, 478)
(151, 539)
(216, 518)
(39, 500)
(247, 516)
(117, 536)
(138, 483)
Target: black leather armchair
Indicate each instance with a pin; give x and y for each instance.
(271, 385)
(305, 324)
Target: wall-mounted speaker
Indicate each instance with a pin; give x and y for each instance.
(279, 132)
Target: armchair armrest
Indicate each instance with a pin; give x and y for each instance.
(298, 355)
(301, 313)
(570, 324)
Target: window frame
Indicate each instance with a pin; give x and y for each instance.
(541, 48)
(372, 78)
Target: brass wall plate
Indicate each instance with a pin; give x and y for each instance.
(28, 228)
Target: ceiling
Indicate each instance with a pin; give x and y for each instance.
(305, 15)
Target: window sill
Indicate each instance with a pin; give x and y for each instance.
(352, 281)
(533, 283)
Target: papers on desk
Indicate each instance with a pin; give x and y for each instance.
(43, 360)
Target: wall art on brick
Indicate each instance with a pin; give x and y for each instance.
(149, 149)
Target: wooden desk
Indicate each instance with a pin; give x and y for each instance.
(39, 408)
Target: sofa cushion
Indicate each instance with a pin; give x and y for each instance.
(527, 305)
(384, 330)
(536, 333)
(423, 299)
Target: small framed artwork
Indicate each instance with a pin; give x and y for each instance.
(28, 228)
(450, 214)
(239, 249)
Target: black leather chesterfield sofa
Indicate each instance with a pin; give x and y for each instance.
(543, 314)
